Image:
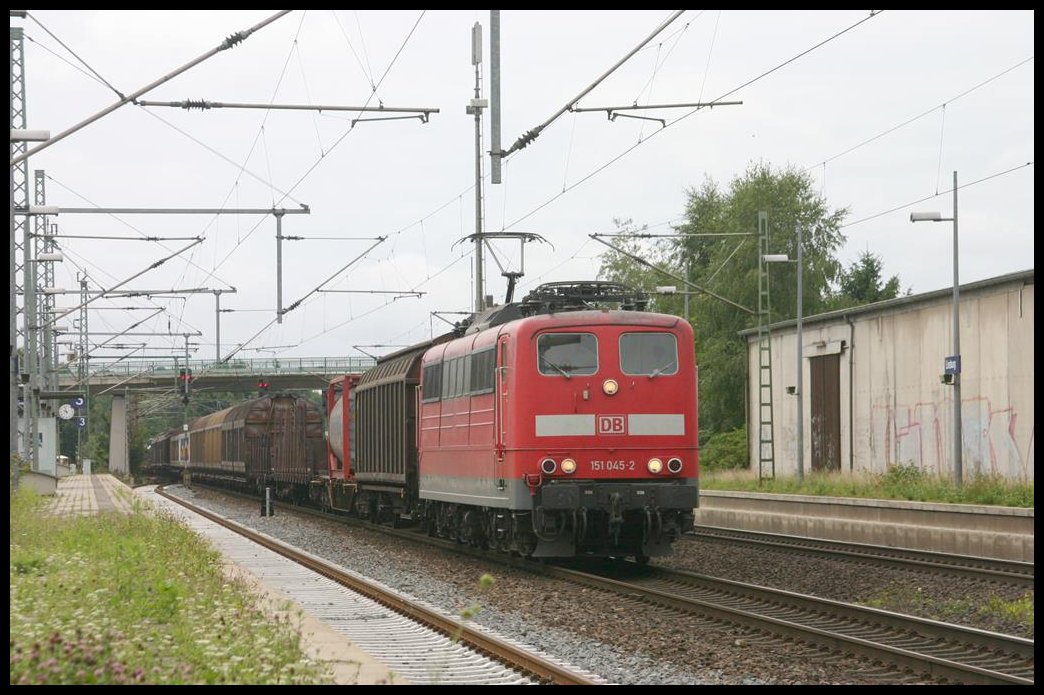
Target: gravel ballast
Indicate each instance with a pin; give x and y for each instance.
(633, 644)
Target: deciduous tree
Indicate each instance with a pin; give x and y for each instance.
(725, 270)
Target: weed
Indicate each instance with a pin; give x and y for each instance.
(901, 482)
(135, 599)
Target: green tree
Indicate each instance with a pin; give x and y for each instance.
(860, 283)
(725, 269)
(138, 436)
(619, 265)
(67, 438)
(99, 418)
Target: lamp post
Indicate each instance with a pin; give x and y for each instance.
(952, 364)
(783, 258)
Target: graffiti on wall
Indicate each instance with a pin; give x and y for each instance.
(922, 435)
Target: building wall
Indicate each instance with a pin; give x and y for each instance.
(893, 408)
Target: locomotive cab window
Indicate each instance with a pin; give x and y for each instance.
(432, 382)
(649, 354)
(449, 378)
(482, 365)
(463, 375)
(566, 354)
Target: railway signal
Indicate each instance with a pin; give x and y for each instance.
(262, 386)
(185, 384)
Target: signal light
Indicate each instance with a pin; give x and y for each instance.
(262, 386)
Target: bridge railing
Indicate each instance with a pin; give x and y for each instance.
(245, 367)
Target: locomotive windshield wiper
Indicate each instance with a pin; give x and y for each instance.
(558, 369)
(660, 370)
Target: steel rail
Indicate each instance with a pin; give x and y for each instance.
(912, 638)
(516, 657)
(926, 646)
(991, 569)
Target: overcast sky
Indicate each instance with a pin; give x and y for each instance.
(881, 110)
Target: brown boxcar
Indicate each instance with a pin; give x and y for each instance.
(274, 439)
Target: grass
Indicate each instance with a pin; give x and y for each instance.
(1014, 616)
(899, 483)
(136, 599)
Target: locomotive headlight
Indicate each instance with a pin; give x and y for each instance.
(655, 465)
(674, 465)
(609, 387)
(548, 466)
(568, 466)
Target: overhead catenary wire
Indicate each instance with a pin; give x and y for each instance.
(531, 135)
(285, 194)
(683, 117)
(673, 276)
(322, 158)
(919, 116)
(121, 284)
(396, 263)
(296, 304)
(94, 207)
(935, 195)
(231, 41)
(91, 71)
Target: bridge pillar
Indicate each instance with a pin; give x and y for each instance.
(118, 462)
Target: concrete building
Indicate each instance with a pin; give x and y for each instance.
(873, 394)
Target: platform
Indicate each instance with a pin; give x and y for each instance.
(83, 495)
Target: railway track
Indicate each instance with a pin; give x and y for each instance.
(931, 649)
(402, 642)
(935, 649)
(1010, 571)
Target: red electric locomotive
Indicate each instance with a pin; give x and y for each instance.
(546, 428)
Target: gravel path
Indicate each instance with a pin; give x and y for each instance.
(632, 646)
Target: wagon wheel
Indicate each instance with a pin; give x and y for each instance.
(527, 544)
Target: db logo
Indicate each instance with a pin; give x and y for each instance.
(612, 424)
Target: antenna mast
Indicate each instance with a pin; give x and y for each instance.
(475, 108)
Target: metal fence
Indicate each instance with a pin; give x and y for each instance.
(251, 367)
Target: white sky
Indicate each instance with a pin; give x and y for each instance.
(881, 114)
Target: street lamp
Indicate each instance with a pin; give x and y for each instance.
(783, 258)
(952, 364)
